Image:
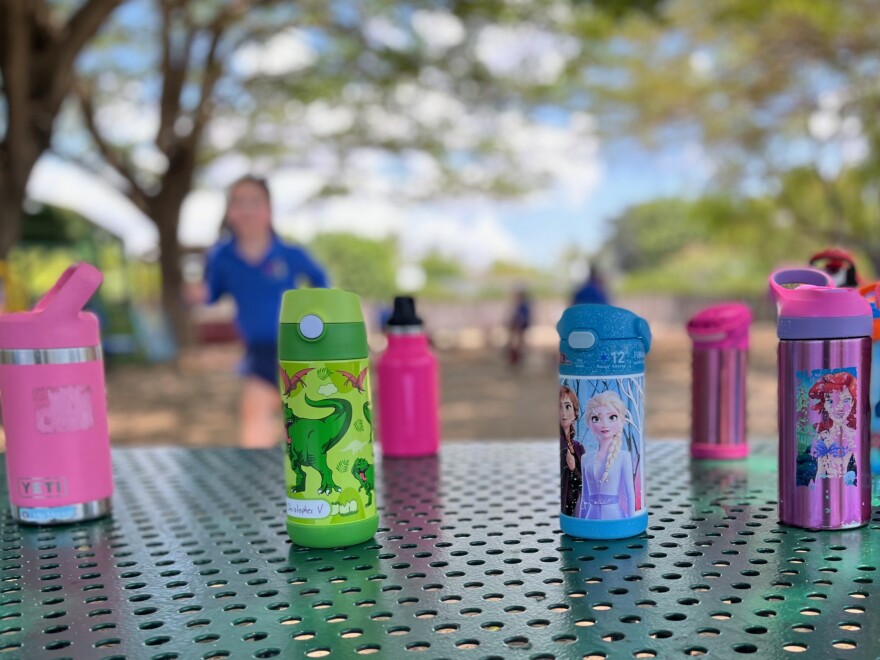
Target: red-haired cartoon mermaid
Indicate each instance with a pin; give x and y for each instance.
(835, 401)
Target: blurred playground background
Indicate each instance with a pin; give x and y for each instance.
(460, 151)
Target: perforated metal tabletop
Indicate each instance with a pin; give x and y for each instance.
(468, 562)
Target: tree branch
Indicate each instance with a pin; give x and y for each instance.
(16, 70)
(137, 194)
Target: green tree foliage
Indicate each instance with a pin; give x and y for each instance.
(365, 266)
(782, 96)
(720, 244)
(325, 83)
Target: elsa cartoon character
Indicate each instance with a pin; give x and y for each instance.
(608, 492)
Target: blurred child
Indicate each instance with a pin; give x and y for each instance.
(520, 320)
(255, 267)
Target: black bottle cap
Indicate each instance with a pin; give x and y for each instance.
(404, 313)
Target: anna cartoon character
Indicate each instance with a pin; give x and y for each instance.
(835, 401)
(571, 451)
(608, 492)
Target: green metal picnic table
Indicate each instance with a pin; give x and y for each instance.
(468, 562)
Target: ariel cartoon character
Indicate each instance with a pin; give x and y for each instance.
(835, 401)
(608, 491)
(571, 451)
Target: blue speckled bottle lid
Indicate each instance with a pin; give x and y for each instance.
(602, 340)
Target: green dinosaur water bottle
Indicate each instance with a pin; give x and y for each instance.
(325, 392)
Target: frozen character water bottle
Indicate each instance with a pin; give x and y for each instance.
(54, 406)
(601, 421)
(872, 294)
(409, 401)
(720, 336)
(824, 373)
(325, 392)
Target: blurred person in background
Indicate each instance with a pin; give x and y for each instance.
(520, 320)
(252, 264)
(593, 290)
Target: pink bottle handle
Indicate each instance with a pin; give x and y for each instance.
(810, 277)
(71, 292)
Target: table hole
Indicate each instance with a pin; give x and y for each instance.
(745, 648)
(108, 643)
(803, 628)
(613, 637)
(151, 625)
(602, 607)
(368, 649)
(630, 619)
(810, 611)
(318, 653)
(844, 644)
(426, 614)
(198, 623)
(467, 644)
(518, 642)
(708, 632)
(585, 622)
(289, 620)
(267, 653)
(445, 628)
(695, 651)
(850, 626)
(304, 636)
(595, 656)
(244, 621)
(206, 639)
(397, 631)
(795, 648)
(351, 633)
(418, 646)
(675, 616)
(660, 634)
(854, 610)
(158, 640)
(216, 655)
(645, 653)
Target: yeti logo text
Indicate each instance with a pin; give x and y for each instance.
(41, 487)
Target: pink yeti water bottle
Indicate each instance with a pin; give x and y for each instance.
(54, 406)
(408, 423)
(720, 336)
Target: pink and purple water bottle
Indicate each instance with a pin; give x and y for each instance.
(54, 404)
(720, 336)
(824, 374)
(408, 423)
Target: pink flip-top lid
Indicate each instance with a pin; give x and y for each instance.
(721, 326)
(57, 320)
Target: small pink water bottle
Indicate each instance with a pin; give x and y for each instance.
(54, 406)
(720, 336)
(408, 423)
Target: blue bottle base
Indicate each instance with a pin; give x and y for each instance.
(604, 529)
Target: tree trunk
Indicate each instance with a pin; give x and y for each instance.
(165, 213)
(11, 213)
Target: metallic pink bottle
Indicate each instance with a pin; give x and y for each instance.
(408, 422)
(720, 337)
(824, 425)
(54, 406)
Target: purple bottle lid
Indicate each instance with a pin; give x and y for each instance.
(810, 307)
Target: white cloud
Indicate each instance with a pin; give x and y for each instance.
(439, 30)
(54, 181)
(286, 52)
(525, 51)
(381, 32)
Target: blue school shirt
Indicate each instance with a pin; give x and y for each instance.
(258, 288)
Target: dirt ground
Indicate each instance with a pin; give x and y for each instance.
(196, 403)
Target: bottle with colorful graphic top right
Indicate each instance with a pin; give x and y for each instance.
(824, 361)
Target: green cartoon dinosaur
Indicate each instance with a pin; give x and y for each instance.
(309, 440)
(363, 472)
(368, 415)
